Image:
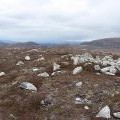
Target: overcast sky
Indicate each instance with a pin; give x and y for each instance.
(59, 20)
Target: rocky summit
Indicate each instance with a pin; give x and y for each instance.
(59, 83)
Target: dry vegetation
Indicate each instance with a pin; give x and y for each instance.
(60, 90)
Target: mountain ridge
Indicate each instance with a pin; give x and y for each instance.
(109, 43)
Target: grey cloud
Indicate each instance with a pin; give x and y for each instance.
(42, 20)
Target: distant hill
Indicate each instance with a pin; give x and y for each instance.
(108, 43)
(2, 43)
(24, 44)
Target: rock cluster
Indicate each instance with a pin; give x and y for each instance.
(109, 66)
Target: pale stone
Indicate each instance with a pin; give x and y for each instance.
(97, 67)
(19, 63)
(77, 70)
(28, 86)
(56, 67)
(86, 108)
(104, 112)
(79, 84)
(27, 58)
(45, 74)
(2, 74)
(117, 114)
(35, 69)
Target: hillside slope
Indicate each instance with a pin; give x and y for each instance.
(111, 43)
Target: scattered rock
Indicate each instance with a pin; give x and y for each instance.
(104, 112)
(28, 86)
(116, 115)
(27, 58)
(65, 63)
(76, 60)
(79, 84)
(86, 108)
(87, 64)
(80, 100)
(108, 73)
(40, 59)
(45, 74)
(19, 63)
(77, 70)
(35, 69)
(109, 70)
(45, 103)
(97, 67)
(2, 74)
(58, 72)
(113, 70)
(56, 67)
(104, 70)
(12, 117)
(14, 83)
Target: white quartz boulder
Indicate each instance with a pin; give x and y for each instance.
(56, 66)
(97, 67)
(104, 113)
(77, 70)
(116, 115)
(79, 84)
(27, 58)
(109, 70)
(28, 86)
(19, 63)
(2, 74)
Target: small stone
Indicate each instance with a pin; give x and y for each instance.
(27, 58)
(104, 112)
(35, 69)
(58, 72)
(2, 74)
(12, 117)
(97, 73)
(45, 74)
(86, 108)
(65, 63)
(97, 67)
(40, 59)
(113, 70)
(45, 103)
(77, 70)
(28, 86)
(56, 67)
(104, 70)
(116, 115)
(19, 63)
(79, 84)
(75, 60)
(79, 100)
(108, 73)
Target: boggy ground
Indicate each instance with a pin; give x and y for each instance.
(19, 104)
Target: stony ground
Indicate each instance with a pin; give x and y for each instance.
(59, 91)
